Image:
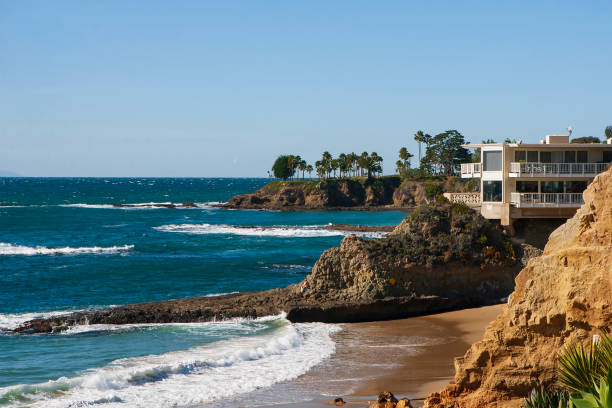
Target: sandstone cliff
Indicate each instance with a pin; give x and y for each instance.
(346, 193)
(561, 297)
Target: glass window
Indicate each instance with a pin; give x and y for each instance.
(492, 160)
(575, 186)
(527, 186)
(545, 157)
(582, 156)
(492, 190)
(557, 157)
(607, 156)
(520, 156)
(552, 186)
(570, 157)
(532, 157)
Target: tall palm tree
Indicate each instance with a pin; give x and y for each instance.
(309, 170)
(334, 164)
(302, 166)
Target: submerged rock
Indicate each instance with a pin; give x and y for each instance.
(562, 297)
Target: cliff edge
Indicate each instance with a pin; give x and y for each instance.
(562, 297)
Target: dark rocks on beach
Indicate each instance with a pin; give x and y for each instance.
(442, 257)
(338, 402)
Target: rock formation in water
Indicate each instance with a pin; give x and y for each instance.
(442, 257)
(562, 297)
(346, 193)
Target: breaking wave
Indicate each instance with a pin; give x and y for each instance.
(262, 231)
(189, 377)
(10, 249)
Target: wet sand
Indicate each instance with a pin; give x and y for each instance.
(409, 357)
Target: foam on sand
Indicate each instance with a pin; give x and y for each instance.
(308, 231)
(14, 250)
(189, 377)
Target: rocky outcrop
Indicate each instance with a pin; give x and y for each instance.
(386, 192)
(562, 297)
(442, 257)
(445, 250)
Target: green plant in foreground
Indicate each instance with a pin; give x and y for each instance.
(541, 398)
(581, 367)
(599, 398)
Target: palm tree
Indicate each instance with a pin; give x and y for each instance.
(309, 170)
(334, 164)
(399, 166)
(320, 168)
(362, 161)
(352, 158)
(343, 164)
(421, 137)
(302, 166)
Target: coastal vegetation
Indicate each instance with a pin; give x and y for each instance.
(585, 377)
(443, 153)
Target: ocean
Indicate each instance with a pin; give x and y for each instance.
(65, 247)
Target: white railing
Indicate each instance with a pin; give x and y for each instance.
(556, 169)
(470, 170)
(466, 198)
(546, 200)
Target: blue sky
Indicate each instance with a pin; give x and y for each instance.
(220, 88)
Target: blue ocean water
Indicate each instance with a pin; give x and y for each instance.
(64, 247)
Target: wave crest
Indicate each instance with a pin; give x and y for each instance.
(308, 231)
(11, 249)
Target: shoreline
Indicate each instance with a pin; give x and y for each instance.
(410, 357)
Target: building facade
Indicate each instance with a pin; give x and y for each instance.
(544, 180)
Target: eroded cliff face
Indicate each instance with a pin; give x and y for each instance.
(442, 250)
(561, 298)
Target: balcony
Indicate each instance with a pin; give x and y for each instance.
(546, 200)
(557, 169)
(469, 170)
(471, 199)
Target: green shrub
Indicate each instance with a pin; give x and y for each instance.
(541, 398)
(433, 190)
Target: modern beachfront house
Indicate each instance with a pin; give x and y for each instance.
(544, 180)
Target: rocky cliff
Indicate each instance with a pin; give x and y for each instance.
(346, 193)
(562, 297)
(443, 250)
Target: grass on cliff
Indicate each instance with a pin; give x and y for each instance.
(324, 184)
(442, 232)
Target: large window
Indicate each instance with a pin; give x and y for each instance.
(582, 156)
(492, 160)
(575, 186)
(570, 157)
(545, 157)
(527, 186)
(552, 186)
(492, 190)
(532, 156)
(607, 156)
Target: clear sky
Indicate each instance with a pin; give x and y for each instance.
(220, 88)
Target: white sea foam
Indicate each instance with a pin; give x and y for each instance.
(143, 206)
(194, 376)
(262, 231)
(14, 320)
(11, 249)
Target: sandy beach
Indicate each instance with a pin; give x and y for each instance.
(409, 357)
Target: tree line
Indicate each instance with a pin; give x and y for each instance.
(345, 165)
(442, 156)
